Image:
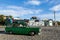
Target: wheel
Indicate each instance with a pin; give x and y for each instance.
(10, 32)
(7, 32)
(32, 33)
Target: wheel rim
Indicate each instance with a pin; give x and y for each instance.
(32, 33)
(10, 32)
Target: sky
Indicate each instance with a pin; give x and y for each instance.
(27, 8)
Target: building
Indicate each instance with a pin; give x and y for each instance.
(36, 22)
(50, 22)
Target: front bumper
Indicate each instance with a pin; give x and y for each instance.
(39, 32)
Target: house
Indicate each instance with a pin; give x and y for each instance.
(50, 22)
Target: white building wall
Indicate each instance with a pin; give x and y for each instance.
(50, 23)
(41, 23)
(33, 23)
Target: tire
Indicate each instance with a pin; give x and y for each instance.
(10, 32)
(32, 33)
(7, 32)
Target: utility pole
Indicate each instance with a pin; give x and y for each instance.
(54, 16)
(55, 23)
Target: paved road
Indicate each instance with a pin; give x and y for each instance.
(48, 33)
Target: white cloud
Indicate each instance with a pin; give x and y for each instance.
(55, 8)
(46, 0)
(54, 2)
(18, 11)
(8, 12)
(33, 2)
(50, 16)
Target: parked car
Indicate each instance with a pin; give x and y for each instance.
(18, 29)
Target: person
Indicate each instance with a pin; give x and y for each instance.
(8, 21)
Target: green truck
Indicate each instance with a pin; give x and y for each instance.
(17, 29)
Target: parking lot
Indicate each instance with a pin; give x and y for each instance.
(47, 33)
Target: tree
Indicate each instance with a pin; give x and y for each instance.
(2, 19)
(10, 16)
(58, 22)
(33, 17)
